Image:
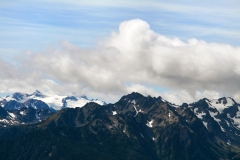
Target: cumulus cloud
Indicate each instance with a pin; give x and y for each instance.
(130, 60)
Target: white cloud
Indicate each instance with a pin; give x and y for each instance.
(134, 55)
(142, 89)
(178, 97)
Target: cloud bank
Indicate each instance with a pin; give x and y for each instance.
(133, 59)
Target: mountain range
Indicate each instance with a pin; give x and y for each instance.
(37, 126)
(21, 108)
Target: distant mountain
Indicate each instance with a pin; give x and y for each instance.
(135, 127)
(22, 109)
(55, 102)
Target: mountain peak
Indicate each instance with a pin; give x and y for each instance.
(37, 93)
(135, 95)
(131, 96)
(18, 96)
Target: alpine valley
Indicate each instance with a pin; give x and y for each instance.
(38, 126)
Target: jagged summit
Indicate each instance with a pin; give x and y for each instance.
(132, 96)
(153, 121)
(19, 96)
(136, 95)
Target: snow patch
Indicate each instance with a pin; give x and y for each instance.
(12, 115)
(212, 114)
(79, 103)
(195, 110)
(22, 113)
(149, 123)
(133, 102)
(229, 143)
(33, 106)
(219, 105)
(135, 108)
(222, 128)
(227, 123)
(4, 120)
(200, 115)
(37, 116)
(55, 101)
(205, 124)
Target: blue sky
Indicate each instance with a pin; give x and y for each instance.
(39, 26)
(35, 25)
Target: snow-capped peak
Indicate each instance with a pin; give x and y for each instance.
(56, 102)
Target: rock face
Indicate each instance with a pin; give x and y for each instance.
(135, 127)
(220, 117)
